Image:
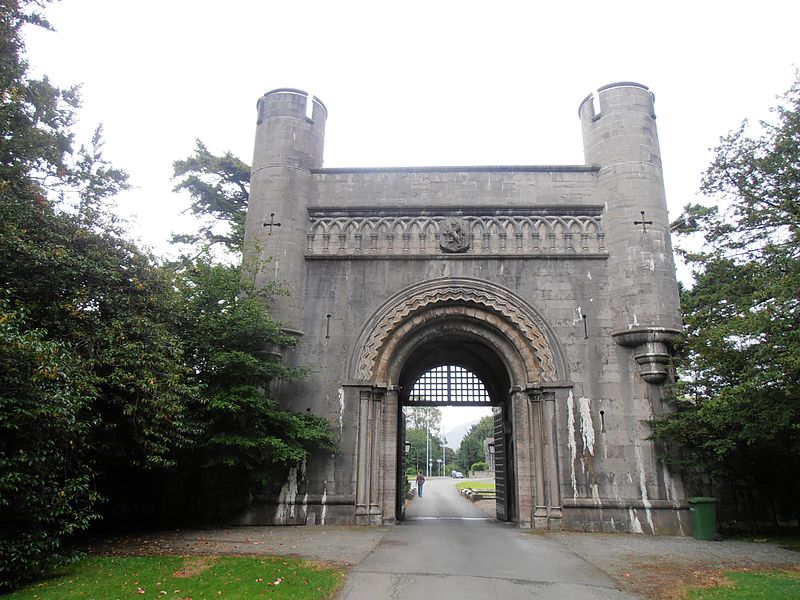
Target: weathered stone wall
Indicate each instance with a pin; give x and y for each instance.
(562, 239)
(455, 186)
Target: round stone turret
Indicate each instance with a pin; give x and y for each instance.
(287, 133)
(289, 143)
(620, 137)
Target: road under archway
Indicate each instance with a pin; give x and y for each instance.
(447, 548)
(456, 367)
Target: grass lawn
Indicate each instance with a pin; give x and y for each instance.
(476, 485)
(752, 585)
(186, 577)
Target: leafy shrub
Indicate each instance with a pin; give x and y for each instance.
(479, 466)
(45, 482)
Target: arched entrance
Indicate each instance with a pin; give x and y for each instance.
(491, 332)
(455, 369)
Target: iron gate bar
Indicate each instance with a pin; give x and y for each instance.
(449, 385)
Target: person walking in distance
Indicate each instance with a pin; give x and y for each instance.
(420, 483)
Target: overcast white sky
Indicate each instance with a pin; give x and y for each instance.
(414, 83)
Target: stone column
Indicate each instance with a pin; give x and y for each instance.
(376, 462)
(537, 430)
(389, 455)
(550, 459)
(523, 456)
(362, 461)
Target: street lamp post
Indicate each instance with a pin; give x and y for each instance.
(427, 446)
(443, 453)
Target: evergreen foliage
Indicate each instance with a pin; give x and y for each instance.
(471, 449)
(219, 187)
(418, 438)
(123, 382)
(45, 478)
(738, 398)
(246, 442)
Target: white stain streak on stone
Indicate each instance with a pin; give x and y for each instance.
(635, 322)
(341, 411)
(286, 498)
(637, 448)
(324, 504)
(652, 264)
(596, 493)
(571, 444)
(587, 428)
(579, 318)
(305, 506)
(636, 525)
(589, 274)
(672, 493)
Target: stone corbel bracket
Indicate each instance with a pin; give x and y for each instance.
(651, 350)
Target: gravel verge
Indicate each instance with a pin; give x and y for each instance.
(329, 544)
(661, 567)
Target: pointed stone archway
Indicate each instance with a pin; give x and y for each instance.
(490, 330)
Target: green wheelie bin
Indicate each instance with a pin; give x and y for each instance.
(704, 517)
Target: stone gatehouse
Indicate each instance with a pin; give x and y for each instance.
(554, 286)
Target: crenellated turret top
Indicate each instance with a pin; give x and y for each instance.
(290, 102)
(618, 123)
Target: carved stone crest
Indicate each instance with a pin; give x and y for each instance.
(454, 235)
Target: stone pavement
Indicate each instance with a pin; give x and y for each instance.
(449, 548)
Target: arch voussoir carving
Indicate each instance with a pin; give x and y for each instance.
(450, 298)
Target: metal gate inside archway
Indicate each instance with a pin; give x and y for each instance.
(456, 385)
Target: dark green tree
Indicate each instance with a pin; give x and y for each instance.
(422, 432)
(419, 439)
(118, 372)
(219, 187)
(46, 490)
(471, 449)
(94, 380)
(738, 398)
(35, 116)
(246, 442)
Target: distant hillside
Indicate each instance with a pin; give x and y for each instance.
(454, 436)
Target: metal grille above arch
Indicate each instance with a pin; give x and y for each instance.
(448, 385)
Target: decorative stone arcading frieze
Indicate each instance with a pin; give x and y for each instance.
(529, 232)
